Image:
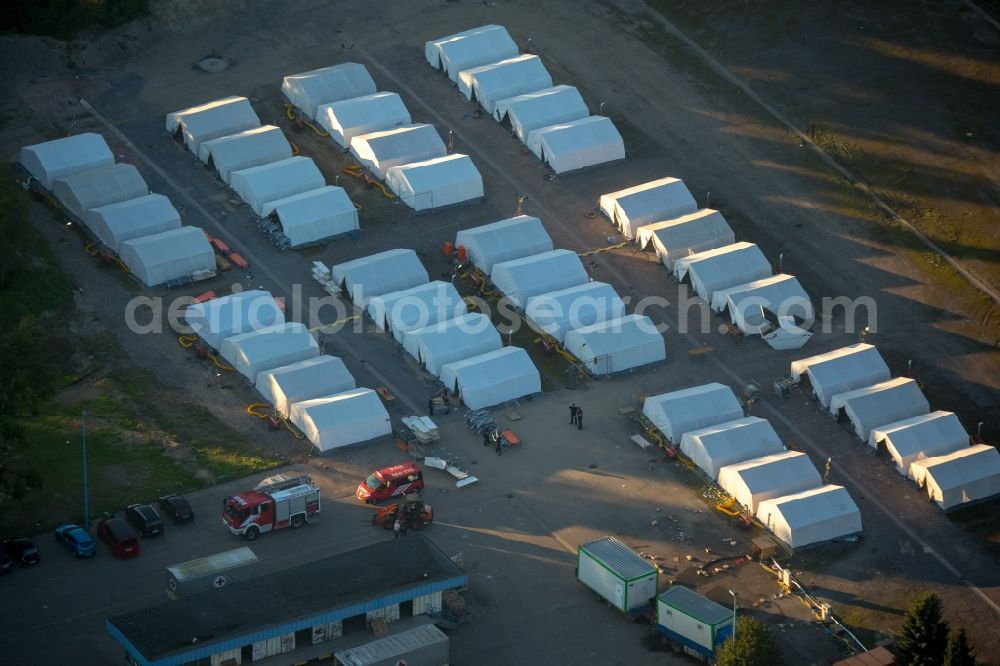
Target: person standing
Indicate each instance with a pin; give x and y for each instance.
(396, 527)
(404, 525)
(430, 407)
(579, 419)
(572, 413)
(486, 437)
(499, 445)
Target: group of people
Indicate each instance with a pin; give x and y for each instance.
(576, 416)
(400, 527)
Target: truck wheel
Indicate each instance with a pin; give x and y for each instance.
(417, 525)
(297, 521)
(251, 534)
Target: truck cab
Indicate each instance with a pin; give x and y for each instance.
(390, 482)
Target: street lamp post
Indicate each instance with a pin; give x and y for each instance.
(734, 594)
(86, 499)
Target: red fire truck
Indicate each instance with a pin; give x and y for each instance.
(278, 501)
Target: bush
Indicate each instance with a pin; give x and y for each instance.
(62, 18)
(754, 645)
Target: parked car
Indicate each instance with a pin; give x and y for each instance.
(6, 564)
(22, 551)
(390, 482)
(144, 519)
(76, 539)
(119, 536)
(177, 508)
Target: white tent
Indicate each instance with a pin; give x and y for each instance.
(617, 345)
(220, 318)
(316, 215)
(378, 151)
(457, 339)
(639, 205)
(750, 303)
(378, 274)
(559, 312)
(925, 436)
(814, 516)
(470, 48)
(309, 90)
(508, 239)
(882, 403)
(541, 108)
(841, 370)
(342, 419)
(312, 378)
(253, 147)
(722, 267)
(686, 235)
(577, 144)
(488, 84)
(694, 408)
(755, 480)
(267, 348)
(349, 118)
(716, 446)
(63, 157)
(133, 218)
(179, 254)
(493, 378)
(260, 185)
(81, 191)
(417, 307)
(436, 183)
(520, 279)
(212, 120)
(968, 475)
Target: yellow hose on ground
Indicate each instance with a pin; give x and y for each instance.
(602, 249)
(187, 341)
(220, 364)
(295, 432)
(254, 409)
(290, 112)
(357, 206)
(122, 264)
(359, 172)
(89, 248)
(295, 149)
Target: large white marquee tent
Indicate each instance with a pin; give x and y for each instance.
(220, 318)
(212, 120)
(470, 48)
(398, 146)
(313, 216)
(540, 108)
(722, 268)
(305, 380)
(639, 205)
(559, 312)
(457, 339)
(410, 309)
(488, 84)
(268, 348)
(577, 144)
(309, 90)
(143, 216)
(378, 274)
(781, 295)
(64, 157)
(841, 370)
(343, 419)
(349, 118)
(811, 517)
(178, 254)
(520, 279)
(925, 436)
(616, 345)
(882, 403)
(755, 480)
(492, 378)
(716, 446)
(444, 181)
(508, 239)
(679, 412)
(260, 185)
(81, 191)
(250, 148)
(683, 236)
(970, 474)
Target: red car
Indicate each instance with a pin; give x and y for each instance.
(390, 482)
(120, 537)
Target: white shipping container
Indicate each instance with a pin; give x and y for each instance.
(234, 656)
(427, 604)
(327, 632)
(616, 573)
(425, 645)
(273, 646)
(390, 613)
(692, 621)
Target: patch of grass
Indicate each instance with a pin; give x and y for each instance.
(40, 287)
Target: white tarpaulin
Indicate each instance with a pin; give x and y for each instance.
(492, 378)
(558, 312)
(63, 157)
(436, 183)
(749, 304)
(260, 185)
(253, 147)
(457, 339)
(309, 217)
(267, 348)
(134, 218)
(577, 144)
(378, 151)
(349, 118)
(639, 205)
(722, 268)
(339, 420)
(841, 370)
(84, 190)
(508, 239)
(685, 235)
(968, 475)
(410, 309)
(520, 279)
(488, 84)
(755, 480)
(541, 108)
(312, 378)
(716, 446)
(220, 318)
(882, 403)
(212, 120)
(377, 274)
(617, 345)
(172, 255)
(925, 436)
(814, 516)
(470, 48)
(694, 408)
(309, 90)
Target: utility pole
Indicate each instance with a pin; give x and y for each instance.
(734, 614)
(86, 498)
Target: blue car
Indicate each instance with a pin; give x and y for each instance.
(76, 539)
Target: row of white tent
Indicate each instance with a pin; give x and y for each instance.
(892, 415)
(377, 129)
(114, 203)
(746, 457)
(283, 362)
(258, 163)
(514, 88)
(700, 246)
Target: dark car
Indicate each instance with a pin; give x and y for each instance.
(120, 537)
(177, 508)
(76, 539)
(23, 551)
(6, 564)
(144, 519)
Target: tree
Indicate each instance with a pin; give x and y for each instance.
(755, 645)
(958, 652)
(924, 636)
